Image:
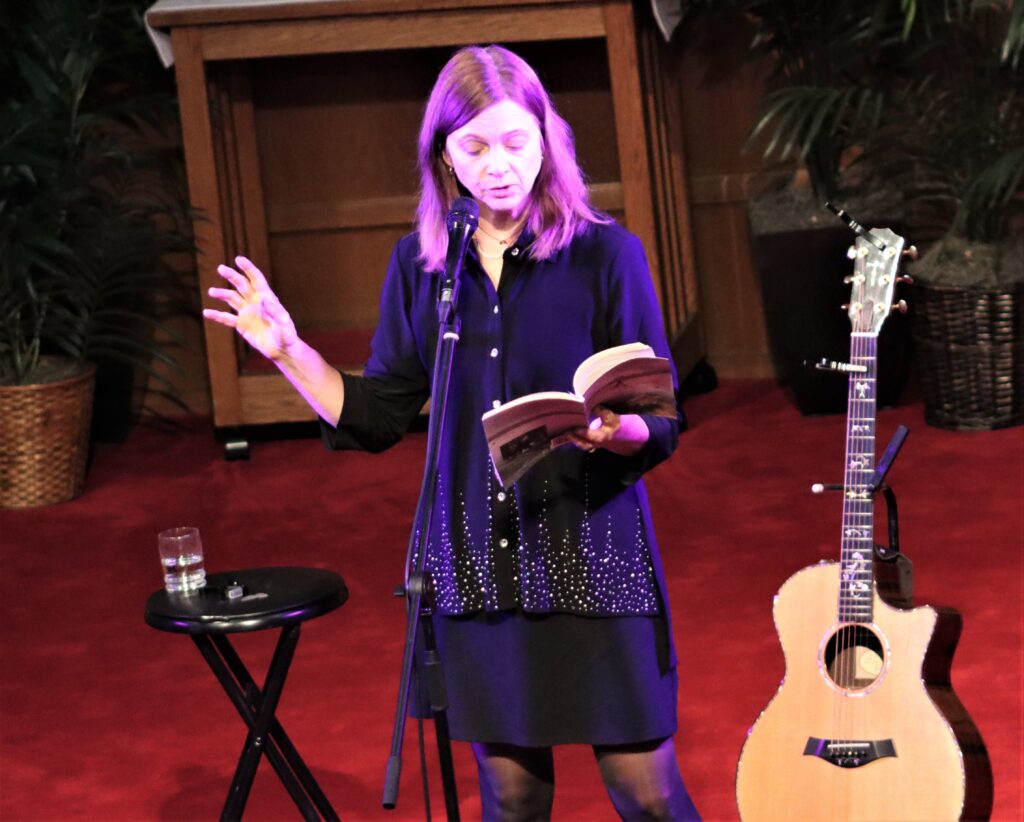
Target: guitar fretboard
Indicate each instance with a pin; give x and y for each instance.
(858, 537)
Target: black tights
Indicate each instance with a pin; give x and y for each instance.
(642, 780)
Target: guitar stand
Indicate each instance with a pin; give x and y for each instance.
(894, 574)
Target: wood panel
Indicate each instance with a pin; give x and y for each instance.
(408, 31)
(270, 398)
(201, 166)
(339, 215)
(172, 14)
(719, 91)
(679, 298)
(630, 128)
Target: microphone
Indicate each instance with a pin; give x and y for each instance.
(462, 220)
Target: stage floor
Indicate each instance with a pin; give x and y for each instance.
(105, 718)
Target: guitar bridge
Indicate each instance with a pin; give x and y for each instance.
(849, 753)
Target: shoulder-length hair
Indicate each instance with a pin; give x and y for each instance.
(472, 80)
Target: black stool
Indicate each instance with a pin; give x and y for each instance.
(254, 600)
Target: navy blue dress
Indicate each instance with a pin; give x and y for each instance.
(554, 624)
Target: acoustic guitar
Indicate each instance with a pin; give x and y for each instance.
(865, 725)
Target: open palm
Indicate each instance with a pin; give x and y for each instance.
(257, 313)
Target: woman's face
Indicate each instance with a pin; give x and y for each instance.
(497, 157)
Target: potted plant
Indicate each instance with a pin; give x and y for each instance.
(826, 105)
(91, 207)
(957, 149)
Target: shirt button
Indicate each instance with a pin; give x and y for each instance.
(501, 496)
(494, 352)
(495, 309)
(496, 404)
(503, 542)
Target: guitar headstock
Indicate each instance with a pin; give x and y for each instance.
(874, 278)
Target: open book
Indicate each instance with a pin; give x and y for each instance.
(628, 379)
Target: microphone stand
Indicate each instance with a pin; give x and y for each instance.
(418, 586)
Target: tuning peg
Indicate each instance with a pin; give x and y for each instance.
(845, 306)
(905, 278)
(910, 251)
(900, 306)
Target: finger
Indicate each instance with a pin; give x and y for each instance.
(228, 295)
(255, 276)
(606, 422)
(581, 440)
(222, 317)
(239, 281)
(596, 439)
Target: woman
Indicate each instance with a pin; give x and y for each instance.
(552, 618)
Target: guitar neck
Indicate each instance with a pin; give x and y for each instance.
(858, 536)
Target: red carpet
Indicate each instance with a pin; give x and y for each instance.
(104, 718)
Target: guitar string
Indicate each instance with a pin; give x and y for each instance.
(855, 505)
(846, 579)
(857, 509)
(843, 669)
(852, 568)
(858, 516)
(869, 345)
(844, 594)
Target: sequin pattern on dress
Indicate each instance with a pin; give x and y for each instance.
(586, 570)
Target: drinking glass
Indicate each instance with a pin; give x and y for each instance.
(181, 554)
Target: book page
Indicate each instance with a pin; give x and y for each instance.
(597, 364)
(638, 386)
(523, 431)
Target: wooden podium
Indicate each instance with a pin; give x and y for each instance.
(299, 122)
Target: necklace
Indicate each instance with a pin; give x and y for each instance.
(502, 240)
(484, 254)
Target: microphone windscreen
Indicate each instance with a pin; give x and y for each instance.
(464, 211)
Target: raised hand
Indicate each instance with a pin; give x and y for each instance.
(257, 313)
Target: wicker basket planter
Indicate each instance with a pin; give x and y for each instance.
(970, 354)
(44, 440)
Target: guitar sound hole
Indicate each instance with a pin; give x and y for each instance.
(854, 657)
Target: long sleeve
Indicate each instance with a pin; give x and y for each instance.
(635, 316)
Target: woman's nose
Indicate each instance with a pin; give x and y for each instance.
(497, 162)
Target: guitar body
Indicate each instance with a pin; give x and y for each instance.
(865, 725)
